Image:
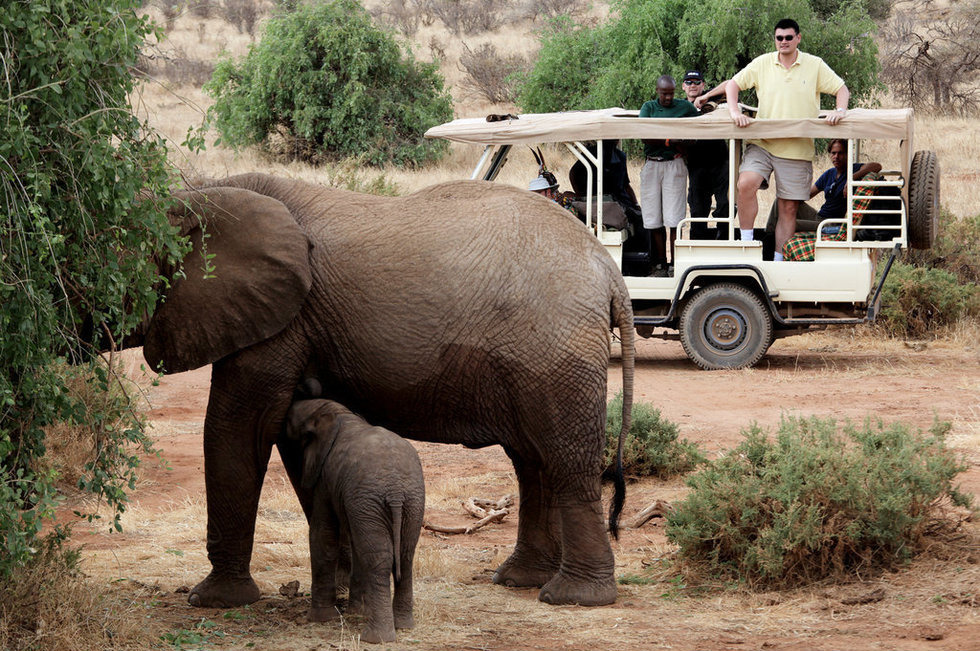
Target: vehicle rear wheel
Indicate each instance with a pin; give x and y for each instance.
(725, 326)
(923, 199)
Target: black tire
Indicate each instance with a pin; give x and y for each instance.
(725, 326)
(923, 199)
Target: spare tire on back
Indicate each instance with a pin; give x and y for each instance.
(923, 200)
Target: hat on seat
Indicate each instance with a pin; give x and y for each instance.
(540, 183)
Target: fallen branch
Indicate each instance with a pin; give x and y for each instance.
(487, 511)
(479, 507)
(658, 509)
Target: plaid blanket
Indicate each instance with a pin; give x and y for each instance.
(800, 246)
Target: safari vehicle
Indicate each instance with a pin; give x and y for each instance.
(727, 300)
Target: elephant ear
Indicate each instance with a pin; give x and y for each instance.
(320, 435)
(251, 285)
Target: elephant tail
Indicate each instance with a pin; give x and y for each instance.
(622, 318)
(395, 505)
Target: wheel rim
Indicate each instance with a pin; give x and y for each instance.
(725, 329)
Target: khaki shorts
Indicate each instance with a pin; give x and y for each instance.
(663, 193)
(793, 177)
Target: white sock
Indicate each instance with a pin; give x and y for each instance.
(748, 234)
(778, 257)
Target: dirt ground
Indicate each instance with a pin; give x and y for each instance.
(931, 604)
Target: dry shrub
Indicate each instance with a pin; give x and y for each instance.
(242, 14)
(469, 16)
(547, 9)
(170, 9)
(202, 8)
(490, 74)
(176, 67)
(930, 55)
(404, 15)
(48, 605)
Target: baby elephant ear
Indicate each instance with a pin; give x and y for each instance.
(252, 283)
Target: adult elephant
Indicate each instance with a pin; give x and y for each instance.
(466, 313)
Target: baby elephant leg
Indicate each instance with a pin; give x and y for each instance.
(402, 604)
(323, 560)
(372, 573)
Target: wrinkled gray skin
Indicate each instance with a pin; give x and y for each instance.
(468, 312)
(365, 481)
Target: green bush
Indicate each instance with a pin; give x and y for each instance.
(617, 63)
(956, 249)
(79, 244)
(922, 301)
(325, 83)
(652, 447)
(815, 502)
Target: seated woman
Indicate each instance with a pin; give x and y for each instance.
(833, 183)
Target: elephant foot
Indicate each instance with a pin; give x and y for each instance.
(562, 589)
(516, 572)
(373, 635)
(324, 613)
(404, 620)
(224, 592)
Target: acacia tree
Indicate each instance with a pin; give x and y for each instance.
(931, 55)
(77, 244)
(618, 62)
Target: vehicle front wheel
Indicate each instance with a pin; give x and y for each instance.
(725, 326)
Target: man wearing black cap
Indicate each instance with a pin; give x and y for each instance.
(707, 168)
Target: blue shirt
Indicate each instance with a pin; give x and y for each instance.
(833, 187)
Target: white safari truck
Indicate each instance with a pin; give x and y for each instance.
(726, 300)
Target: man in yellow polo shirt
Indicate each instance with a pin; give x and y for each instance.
(788, 83)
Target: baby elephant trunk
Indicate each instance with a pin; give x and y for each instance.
(395, 504)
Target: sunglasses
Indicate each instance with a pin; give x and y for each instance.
(781, 38)
(692, 82)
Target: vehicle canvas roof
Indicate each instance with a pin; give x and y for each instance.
(604, 124)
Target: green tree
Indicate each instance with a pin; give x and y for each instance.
(332, 85)
(617, 63)
(77, 243)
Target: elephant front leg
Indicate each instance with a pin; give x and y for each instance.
(324, 555)
(233, 482)
(537, 554)
(587, 573)
(239, 431)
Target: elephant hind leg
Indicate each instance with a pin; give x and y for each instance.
(374, 572)
(402, 605)
(537, 554)
(586, 576)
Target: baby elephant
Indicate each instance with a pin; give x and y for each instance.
(367, 485)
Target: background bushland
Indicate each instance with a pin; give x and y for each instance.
(930, 291)
(617, 63)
